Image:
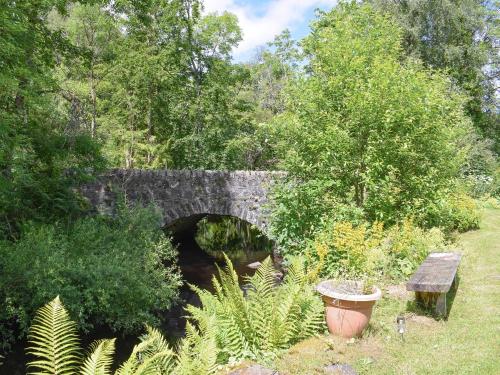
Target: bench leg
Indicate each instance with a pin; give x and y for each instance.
(441, 305)
(454, 285)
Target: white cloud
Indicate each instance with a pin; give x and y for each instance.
(260, 23)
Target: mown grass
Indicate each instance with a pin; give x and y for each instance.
(468, 342)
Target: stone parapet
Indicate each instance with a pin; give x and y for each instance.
(184, 195)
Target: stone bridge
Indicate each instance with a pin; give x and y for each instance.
(184, 196)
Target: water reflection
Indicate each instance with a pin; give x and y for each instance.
(200, 253)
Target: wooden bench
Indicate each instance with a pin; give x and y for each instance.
(434, 278)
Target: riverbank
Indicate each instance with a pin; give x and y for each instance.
(467, 343)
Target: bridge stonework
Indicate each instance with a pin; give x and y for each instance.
(185, 196)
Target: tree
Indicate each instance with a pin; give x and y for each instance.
(171, 96)
(273, 70)
(94, 32)
(365, 126)
(460, 37)
(263, 95)
(35, 148)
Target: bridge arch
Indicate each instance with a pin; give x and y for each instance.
(184, 195)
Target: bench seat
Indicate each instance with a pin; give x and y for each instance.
(434, 278)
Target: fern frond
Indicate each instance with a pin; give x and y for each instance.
(262, 304)
(157, 364)
(198, 352)
(151, 356)
(100, 359)
(264, 280)
(296, 273)
(312, 321)
(53, 340)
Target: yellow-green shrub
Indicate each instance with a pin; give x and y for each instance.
(407, 245)
(457, 211)
(368, 250)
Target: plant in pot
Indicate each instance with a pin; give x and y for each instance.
(348, 305)
(339, 251)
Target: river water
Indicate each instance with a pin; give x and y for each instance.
(197, 267)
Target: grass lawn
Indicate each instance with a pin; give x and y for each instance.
(467, 343)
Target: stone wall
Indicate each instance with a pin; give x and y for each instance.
(185, 196)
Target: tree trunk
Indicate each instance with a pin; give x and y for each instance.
(93, 101)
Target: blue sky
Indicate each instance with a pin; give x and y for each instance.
(261, 20)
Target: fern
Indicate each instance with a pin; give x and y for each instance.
(268, 320)
(227, 327)
(151, 356)
(54, 341)
(100, 359)
(198, 350)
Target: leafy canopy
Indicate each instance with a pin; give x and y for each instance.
(461, 38)
(366, 127)
(36, 147)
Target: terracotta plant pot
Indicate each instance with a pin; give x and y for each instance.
(347, 313)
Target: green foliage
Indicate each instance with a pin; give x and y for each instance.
(344, 250)
(274, 68)
(365, 127)
(116, 272)
(300, 210)
(100, 359)
(152, 355)
(267, 320)
(54, 343)
(198, 352)
(36, 147)
(460, 37)
(456, 211)
(163, 94)
(480, 172)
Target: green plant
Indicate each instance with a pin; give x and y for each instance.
(117, 272)
(366, 127)
(430, 347)
(300, 210)
(368, 251)
(39, 143)
(407, 245)
(454, 211)
(229, 326)
(267, 320)
(54, 342)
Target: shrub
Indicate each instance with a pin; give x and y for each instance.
(359, 251)
(491, 202)
(407, 245)
(302, 209)
(456, 211)
(268, 320)
(343, 248)
(115, 272)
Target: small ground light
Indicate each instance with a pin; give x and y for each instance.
(400, 320)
